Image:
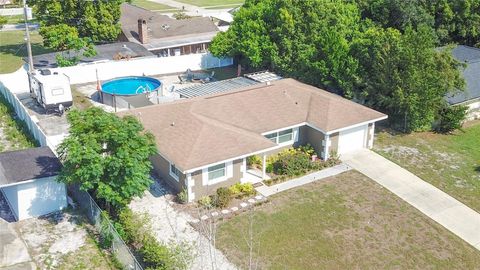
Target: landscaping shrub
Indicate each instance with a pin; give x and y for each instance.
(205, 201)
(307, 149)
(254, 161)
(222, 198)
(240, 190)
(155, 255)
(450, 118)
(292, 163)
(106, 236)
(182, 196)
(136, 230)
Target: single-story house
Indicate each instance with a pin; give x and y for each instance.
(105, 52)
(27, 181)
(165, 36)
(203, 142)
(470, 56)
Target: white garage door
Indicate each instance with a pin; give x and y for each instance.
(352, 139)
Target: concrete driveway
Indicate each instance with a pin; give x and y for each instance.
(436, 204)
(13, 251)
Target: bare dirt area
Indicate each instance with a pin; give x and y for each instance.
(62, 241)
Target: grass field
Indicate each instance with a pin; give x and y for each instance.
(12, 134)
(343, 222)
(449, 162)
(208, 3)
(151, 5)
(12, 49)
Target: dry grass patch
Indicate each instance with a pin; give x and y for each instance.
(343, 222)
(449, 162)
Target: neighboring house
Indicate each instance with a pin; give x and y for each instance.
(203, 142)
(105, 52)
(165, 36)
(27, 181)
(471, 96)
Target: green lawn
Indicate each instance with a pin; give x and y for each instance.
(208, 3)
(449, 162)
(12, 133)
(151, 5)
(343, 222)
(13, 48)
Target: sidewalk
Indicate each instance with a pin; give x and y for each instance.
(436, 204)
(306, 179)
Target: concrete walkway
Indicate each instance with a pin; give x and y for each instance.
(436, 204)
(306, 179)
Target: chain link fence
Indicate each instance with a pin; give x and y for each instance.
(94, 214)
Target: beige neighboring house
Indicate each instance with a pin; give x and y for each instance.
(203, 142)
(165, 36)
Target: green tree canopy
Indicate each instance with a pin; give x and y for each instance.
(97, 19)
(305, 39)
(107, 155)
(65, 38)
(404, 75)
(452, 20)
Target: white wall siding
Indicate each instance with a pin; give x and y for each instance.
(141, 66)
(36, 198)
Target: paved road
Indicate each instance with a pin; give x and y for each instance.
(192, 10)
(436, 204)
(20, 26)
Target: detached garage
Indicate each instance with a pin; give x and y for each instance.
(27, 181)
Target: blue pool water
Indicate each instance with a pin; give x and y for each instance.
(130, 85)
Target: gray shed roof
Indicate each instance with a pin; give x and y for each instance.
(215, 87)
(471, 57)
(23, 165)
(104, 52)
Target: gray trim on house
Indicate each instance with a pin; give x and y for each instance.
(24, 165)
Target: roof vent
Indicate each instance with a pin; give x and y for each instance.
(172, 124)
(165, 27)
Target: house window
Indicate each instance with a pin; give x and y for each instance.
(216, 171)
(285, 136)
(272, 137)
(281, 137)
(174, 172)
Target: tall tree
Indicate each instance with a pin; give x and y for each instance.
(107, 155)
(306, 39)
(65, 39)
(452, 20)
(96, 19)
(404, 75)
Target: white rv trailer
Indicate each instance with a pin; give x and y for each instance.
(52, 91)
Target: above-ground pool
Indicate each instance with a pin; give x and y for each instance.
(127, 86)
(124, 91)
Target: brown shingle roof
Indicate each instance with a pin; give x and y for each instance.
(195, 132)
(182, 30)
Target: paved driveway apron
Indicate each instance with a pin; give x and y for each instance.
(436, 204)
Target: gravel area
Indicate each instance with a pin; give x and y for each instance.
(172, 225)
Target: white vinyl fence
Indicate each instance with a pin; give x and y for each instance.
(15, 11)
(23, 115)
(86, 73)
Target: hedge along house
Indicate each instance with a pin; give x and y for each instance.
(203, 142)
(28, 182)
